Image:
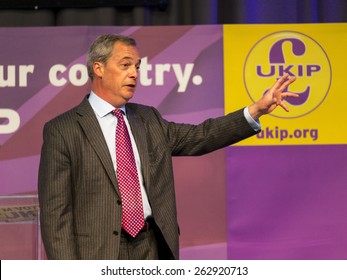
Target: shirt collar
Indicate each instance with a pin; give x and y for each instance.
(102, 107)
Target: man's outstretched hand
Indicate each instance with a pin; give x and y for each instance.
(273, 97)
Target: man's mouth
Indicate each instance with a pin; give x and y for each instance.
(132, 86)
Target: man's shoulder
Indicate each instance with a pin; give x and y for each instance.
(140, 109)
(145, 113)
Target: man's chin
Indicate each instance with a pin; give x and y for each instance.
(129, 95)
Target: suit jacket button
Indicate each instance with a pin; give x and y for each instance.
(115, 233)
(119, 202)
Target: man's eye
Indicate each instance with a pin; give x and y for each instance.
(125, 65)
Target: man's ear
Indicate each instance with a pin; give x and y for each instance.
(98, 68)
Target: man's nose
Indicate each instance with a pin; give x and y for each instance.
(133, 72)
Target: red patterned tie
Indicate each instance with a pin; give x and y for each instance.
(128, 180)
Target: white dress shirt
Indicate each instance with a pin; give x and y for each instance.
(255, 124)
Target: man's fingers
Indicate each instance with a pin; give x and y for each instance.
(289, 94)
(280, 81)
(287, 82)
(284, 107)
(283, 96)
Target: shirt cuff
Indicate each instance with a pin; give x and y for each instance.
(255, 124)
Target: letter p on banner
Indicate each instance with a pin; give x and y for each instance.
(11, 123)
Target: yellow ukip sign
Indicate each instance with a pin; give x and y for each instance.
(256, 55)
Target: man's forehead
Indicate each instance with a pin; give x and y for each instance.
(132, 58)
(125, 51)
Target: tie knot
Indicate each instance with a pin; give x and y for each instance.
(118, 113)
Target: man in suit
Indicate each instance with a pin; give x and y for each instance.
(81, 196)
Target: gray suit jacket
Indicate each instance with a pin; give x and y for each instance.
(80, 204)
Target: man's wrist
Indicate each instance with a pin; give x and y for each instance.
(253, 122)
(254, 111)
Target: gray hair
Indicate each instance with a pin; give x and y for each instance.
(101, 49)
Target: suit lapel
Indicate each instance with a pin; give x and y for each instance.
(139, 132)
(92, 130)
